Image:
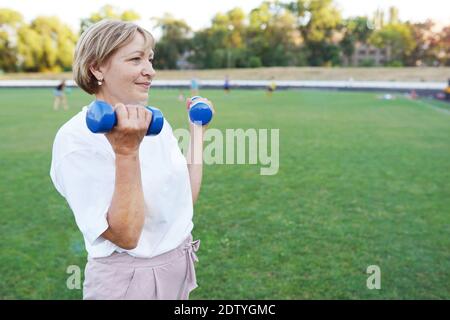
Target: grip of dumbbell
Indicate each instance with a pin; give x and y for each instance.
(200, 112)
(100, 117)
(157, 122)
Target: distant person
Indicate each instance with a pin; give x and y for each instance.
(60, 97)
(226, 85)
(181, 96)
(194, 87)
(271, 87)
(447, 91)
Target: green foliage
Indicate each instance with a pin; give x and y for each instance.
(10, 17)
(323, 54)
(394, 63)
(367, 63)
(46, 44)
(9, 22)
(279, 33)
(254, 62)
(58, 42)
(173, 43)
(30, 48)
(324, 18)
(269, 33)
(8, 53)
(355, 30)
(398, 37)
(108, 12)
(318, 22)
(221, 45)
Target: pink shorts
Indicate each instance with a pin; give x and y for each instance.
(168, 276)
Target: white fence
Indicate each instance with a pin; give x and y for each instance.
(345, 85)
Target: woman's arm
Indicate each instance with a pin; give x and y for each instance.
(194, 159)
(126, 213)
(194, 155)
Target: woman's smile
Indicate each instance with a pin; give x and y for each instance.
(144, 85)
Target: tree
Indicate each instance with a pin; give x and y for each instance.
(230, 31)
(10, 20)
(58, 40)
(173, 43)
(318, 21)
(223, 44)
(30, 49)
(443, 52)
(46, 44)
(268, 37)
(108, 12)
(427, 41)
(398, 37)
(273, 34)
(355, 30)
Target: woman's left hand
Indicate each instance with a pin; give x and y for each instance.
(188, 106)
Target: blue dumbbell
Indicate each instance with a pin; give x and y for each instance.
(200, 111)
(101, 118)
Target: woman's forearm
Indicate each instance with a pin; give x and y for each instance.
(195, 160)
(126, 213)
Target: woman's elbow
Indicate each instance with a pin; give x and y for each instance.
(128, 244)
(124, 239)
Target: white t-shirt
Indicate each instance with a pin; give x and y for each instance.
(83, 172)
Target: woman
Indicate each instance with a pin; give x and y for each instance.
(132, 196)
(226, 85)
(271, 87)
(194, 87)
(60, 97)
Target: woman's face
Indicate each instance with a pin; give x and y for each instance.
(128, 74)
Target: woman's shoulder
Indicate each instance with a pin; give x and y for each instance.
(74, 135)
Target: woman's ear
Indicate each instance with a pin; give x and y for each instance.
(96, 72)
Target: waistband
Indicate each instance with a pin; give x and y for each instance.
(117, 259)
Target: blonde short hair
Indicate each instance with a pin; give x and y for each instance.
(97, 44)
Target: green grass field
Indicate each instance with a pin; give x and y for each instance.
(362, 182)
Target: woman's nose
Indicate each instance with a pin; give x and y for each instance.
(148, 70)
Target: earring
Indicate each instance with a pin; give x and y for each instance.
(99, 82)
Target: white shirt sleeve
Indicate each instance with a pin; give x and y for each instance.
(86, 179)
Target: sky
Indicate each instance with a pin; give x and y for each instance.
(198, 13)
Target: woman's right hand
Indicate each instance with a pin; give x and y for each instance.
(131, 128)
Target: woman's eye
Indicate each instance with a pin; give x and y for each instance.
(136, 59)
